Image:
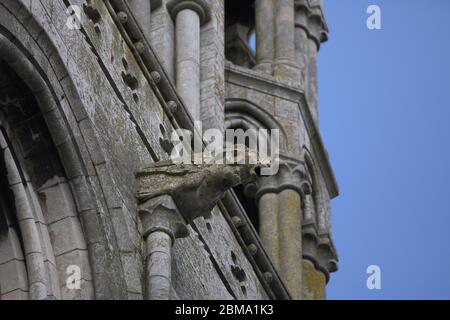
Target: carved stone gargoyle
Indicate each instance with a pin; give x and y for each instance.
(196, 189)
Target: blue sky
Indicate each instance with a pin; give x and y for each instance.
(385, 119)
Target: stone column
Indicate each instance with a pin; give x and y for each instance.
(161, 225)
(310, 31)
(312, 90)
(189, 15)
(268, 226)
(314, 280)
(158, 265)
(285, 66)
(187, 41)
(301, 47)
(291, 240)
(142, 12)
(319, 255)
(280, 211)
(264, 25)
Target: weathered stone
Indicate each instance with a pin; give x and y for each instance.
(314, 282)
(14, 276)
(90, 104)
(205, 184)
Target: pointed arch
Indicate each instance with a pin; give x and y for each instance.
(244, 114)
(59, 190)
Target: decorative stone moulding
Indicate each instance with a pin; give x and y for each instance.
(312, 20)
(161, 214)
(319, 249)
(156, 76)
(122, 17)
(291, 175)
(93, 15)
(201, 7)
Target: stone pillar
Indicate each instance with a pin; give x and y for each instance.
(158, 265)
(312, 90)
(268, 225)
(285, 66)
(187, 41)
(319, 255)
(264, 25)
(189, 15)
(301, 49)
(161, 225)
(289, 220)
(142, 12)
(310, 31)
(280, 211)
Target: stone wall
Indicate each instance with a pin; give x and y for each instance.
(103, 86)
(108, 120)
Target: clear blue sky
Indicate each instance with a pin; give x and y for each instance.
(385, 118)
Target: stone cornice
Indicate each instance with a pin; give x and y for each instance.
(201, 7)
(310, 17)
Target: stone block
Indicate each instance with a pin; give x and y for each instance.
(66, 235)
(14, 276)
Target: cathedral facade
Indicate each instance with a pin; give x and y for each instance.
(93, 205)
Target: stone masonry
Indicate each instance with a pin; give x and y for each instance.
(91, 204)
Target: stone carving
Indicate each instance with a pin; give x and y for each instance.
(291, 175)
(103, 93)
(312, 19)
(93, 14)
(194, 188)
(201, 7)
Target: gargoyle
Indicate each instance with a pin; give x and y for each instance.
(196, 189)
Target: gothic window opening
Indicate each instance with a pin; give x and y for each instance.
(239, 32)
(7, 220)
(37, 209)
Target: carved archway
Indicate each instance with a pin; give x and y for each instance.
(43, 234)
(240, 113)
(57, 188)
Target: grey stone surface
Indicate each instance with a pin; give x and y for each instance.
(229, 255)
(97, 112)
(17, 277)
